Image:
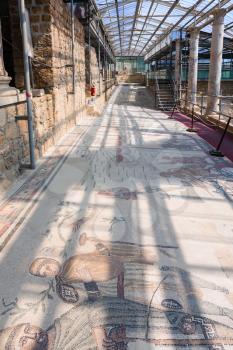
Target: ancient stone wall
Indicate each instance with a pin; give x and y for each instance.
(95, 74)
(226, 87)
(57, 109)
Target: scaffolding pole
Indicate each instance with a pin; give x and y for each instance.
(73, 45)
(105, 67)
(89, 44)
(27, 82)
(99, 58)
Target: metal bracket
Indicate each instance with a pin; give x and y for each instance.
(21, 117)
(25, 166)
(191, 130)
(216, 153)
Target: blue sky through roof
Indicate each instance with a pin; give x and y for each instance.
(141, 23)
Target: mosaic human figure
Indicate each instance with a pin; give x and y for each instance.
(23, 336)
(85, 269)
(115, 324)
(137, 280)
(178, 289)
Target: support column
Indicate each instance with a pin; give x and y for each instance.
(89, 51)
(99, 58)
(177, 67)
(6, 92)
(193, 65)
(147, 74)
(215, 70)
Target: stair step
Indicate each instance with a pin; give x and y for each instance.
(168, 98)
(166, 104)
(165, 95)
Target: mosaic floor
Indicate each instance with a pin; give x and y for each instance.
(121, 240)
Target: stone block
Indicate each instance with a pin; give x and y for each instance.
(35, 28)
(46, 9)
(2, 164)
(35, 18)
(35, 10)
(45, 27)
(38, 92)
(46, 18)
(28, 2)
(2, 137)
(12, 131)
(42, 2)
(3, 118)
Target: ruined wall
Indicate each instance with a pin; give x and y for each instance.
(56, 109)
(102, 80)
(95, 75)
(125, 77)
(40, 19)
(14, 148)
(67, 107)
(226, 87)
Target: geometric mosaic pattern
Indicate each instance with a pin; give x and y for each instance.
(121, 239)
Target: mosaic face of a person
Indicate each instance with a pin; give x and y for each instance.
(27, 337)
(44, 267)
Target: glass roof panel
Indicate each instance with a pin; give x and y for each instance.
(135, 26)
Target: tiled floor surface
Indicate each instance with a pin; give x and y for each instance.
(122, 239)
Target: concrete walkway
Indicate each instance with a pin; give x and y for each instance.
(122, 239)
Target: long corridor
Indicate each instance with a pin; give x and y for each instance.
(121, 239)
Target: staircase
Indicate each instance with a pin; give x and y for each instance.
(164, 94)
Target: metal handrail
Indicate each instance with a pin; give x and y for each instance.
(157, 96)
(214, 152)
(202, 95)
(157, 90)
(13, 104)
(198, 105)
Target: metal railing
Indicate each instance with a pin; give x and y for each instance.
(108, 84)
(203, 102)
(16, 103)
(157, 96)
(158, 101)
(17, 119)
(194, 117)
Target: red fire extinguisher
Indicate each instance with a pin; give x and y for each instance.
(93, 90)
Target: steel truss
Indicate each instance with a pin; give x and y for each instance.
(135, 27)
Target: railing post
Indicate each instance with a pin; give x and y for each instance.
(220, 108)
(216, 152)
(73, 47)
(30, 113)
(202, 103)
(192, 129)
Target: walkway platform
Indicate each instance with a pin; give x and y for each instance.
(121, 239)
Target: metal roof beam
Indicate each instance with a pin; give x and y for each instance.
(111, 6)
(178, 22)
(209, 21)
(119, 27)
(208, 13)
(161, 23)
(134, 22)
